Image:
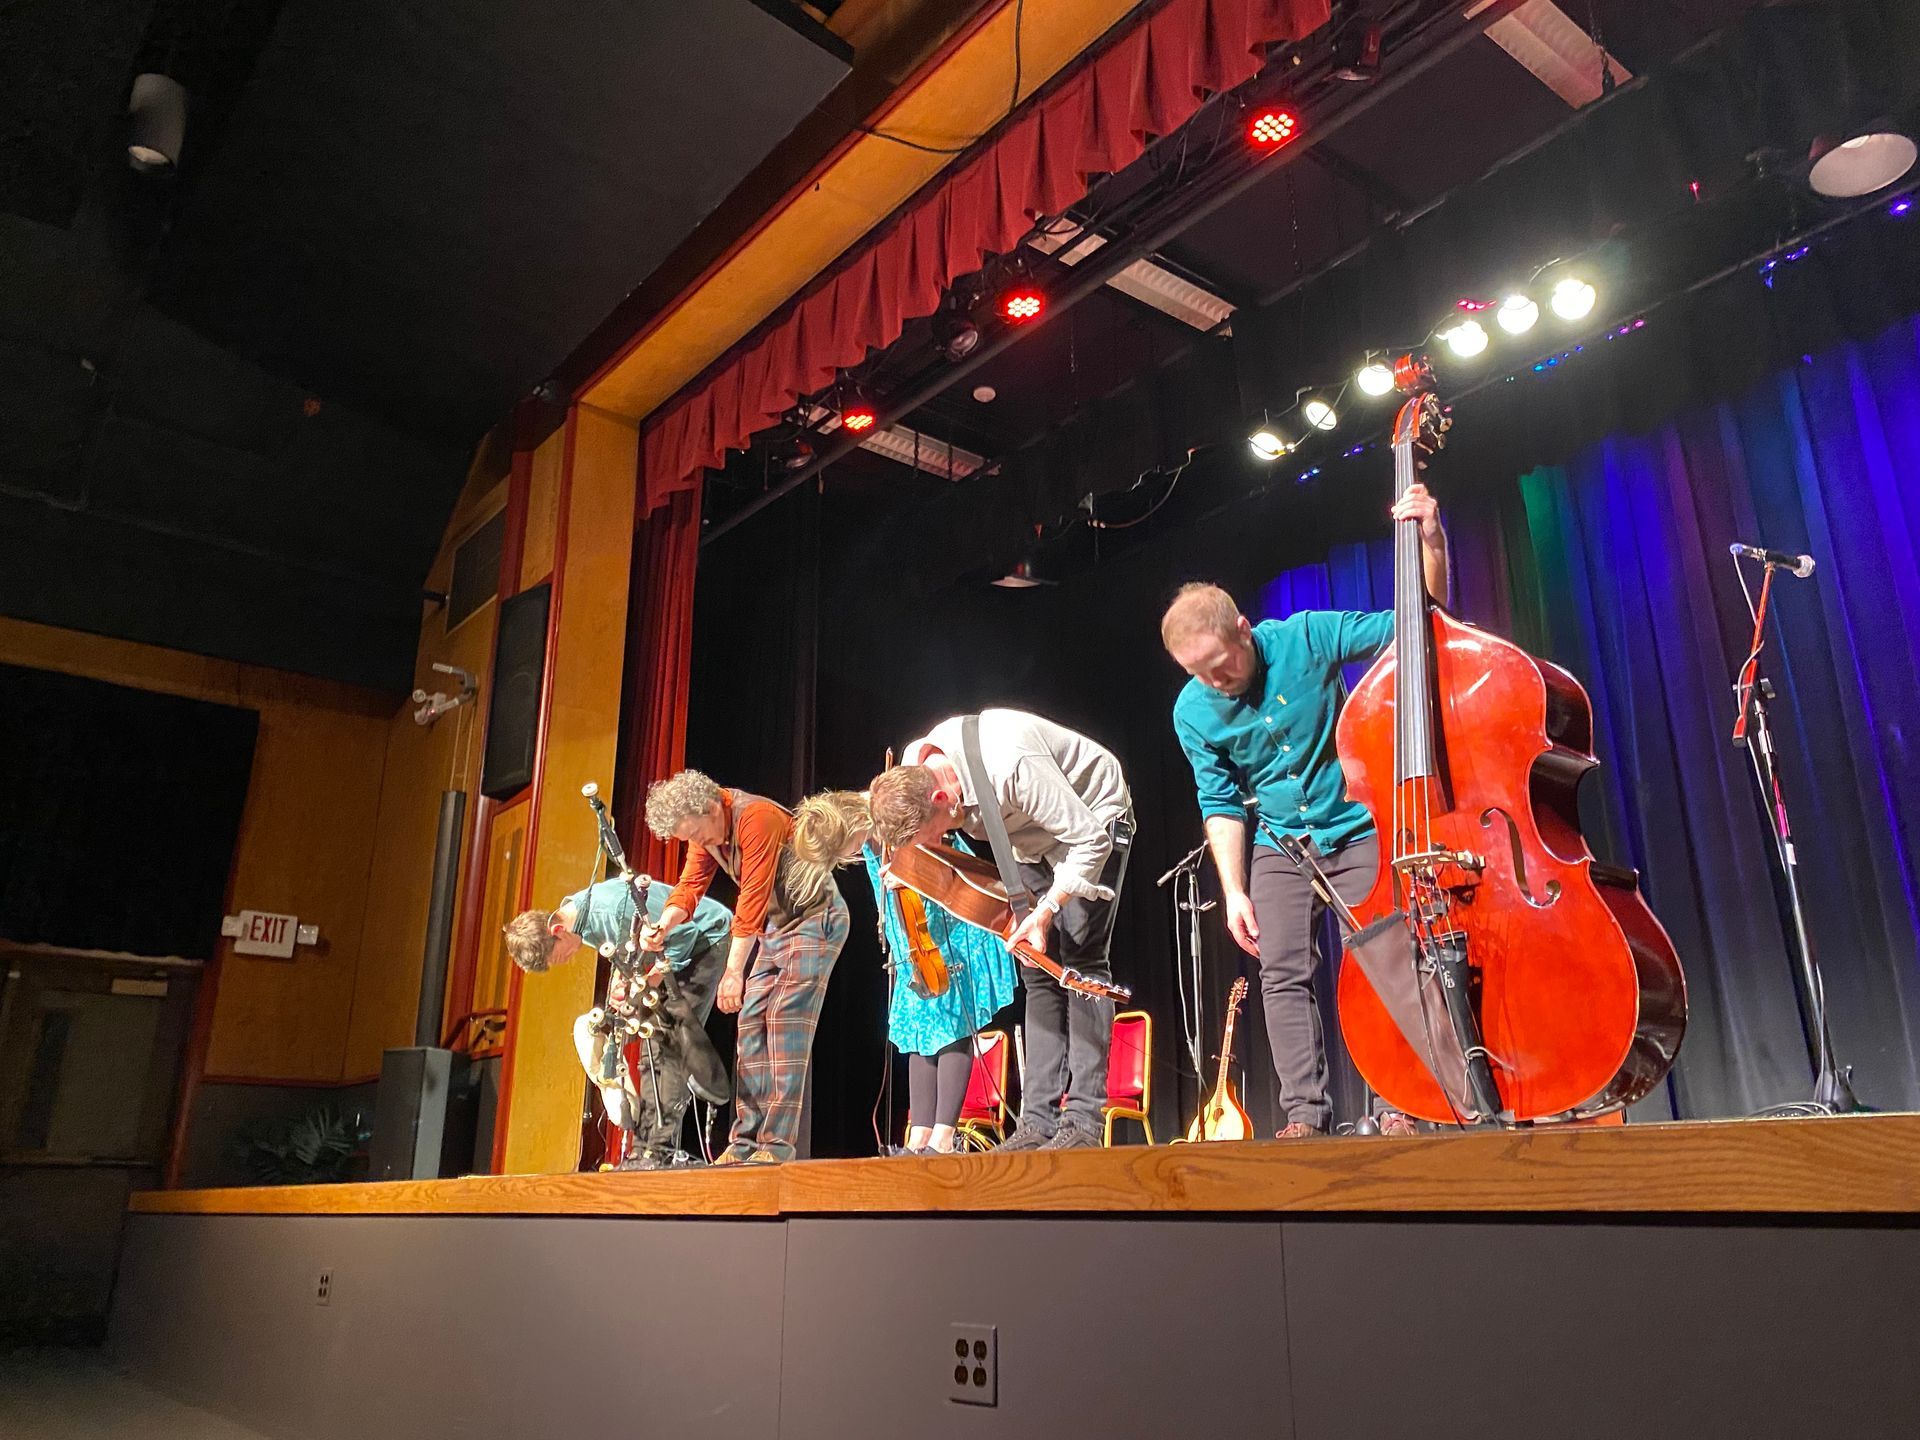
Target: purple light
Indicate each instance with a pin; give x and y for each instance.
(1900, 206)
(1641, 323)
(1800, 254)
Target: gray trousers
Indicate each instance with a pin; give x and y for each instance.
(1068, 1035)
(665, 1064)
(1289, 917)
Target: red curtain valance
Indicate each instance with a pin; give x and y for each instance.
(1147, 84)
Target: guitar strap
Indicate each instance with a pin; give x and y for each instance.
(990, 817)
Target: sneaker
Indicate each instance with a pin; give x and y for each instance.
(1025, 1137)
(1394, 1122)
(1300, 1130)
(1072, 1137)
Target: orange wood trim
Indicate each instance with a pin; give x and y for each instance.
(1847, 1165)
(295, 1083)
(503, 1108)
(877, 120)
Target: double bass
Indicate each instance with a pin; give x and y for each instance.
(1499, 952)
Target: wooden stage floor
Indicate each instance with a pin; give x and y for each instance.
(1847, 1165)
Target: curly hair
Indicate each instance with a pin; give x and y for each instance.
(901, 801)
(530, 940)
(679, 797)
(1198, 609)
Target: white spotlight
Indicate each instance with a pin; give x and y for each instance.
(156, 122)
(1268, 444)
(1573, 298)
(1319, 414)
(1467, 339)
(1860, 166)
(1374, 379)
(1517, 314)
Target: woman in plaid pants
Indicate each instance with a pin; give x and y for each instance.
(788, 926)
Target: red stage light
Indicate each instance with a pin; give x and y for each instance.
(1022, 304)
(1272, 128)
(858, 418)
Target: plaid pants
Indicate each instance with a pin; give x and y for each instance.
(778, 1015)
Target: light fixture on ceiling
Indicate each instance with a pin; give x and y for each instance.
(857, 413)
(156, 122)
(1517, 313)
(954, 333)
(1025, 574)
(1847, 169)
(1573, 298)
(1268, 444)
(1375, 378)
(1319, 414)
(1465, 338)
(1271, 128)
(1022, 303)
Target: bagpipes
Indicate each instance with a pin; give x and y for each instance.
(654, 1009)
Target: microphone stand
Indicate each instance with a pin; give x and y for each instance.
(1832, 1090)
(1187, 967)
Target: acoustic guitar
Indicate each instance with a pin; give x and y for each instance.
(968, 887)
(1222, 1117)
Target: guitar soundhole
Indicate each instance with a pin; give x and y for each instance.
(1520, 877)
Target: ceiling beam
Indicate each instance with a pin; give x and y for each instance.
(1555, 50)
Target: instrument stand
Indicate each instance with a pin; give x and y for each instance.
(1186, 960)
(1304, 862)
(1832, 1090)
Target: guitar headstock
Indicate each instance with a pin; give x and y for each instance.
(1237, 994)
(1422, 425)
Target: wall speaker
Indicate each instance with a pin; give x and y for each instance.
(513, 714)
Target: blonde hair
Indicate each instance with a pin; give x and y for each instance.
(826, 827)
(901, 801)
(1199, 608)
(530, 940)
(679, 797)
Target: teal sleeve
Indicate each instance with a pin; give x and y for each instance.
(1341, 637)
(1219, 788)
(602, 913)
(709, 925)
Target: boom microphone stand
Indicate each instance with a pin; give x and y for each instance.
(1832, 1092)
(1187, 966)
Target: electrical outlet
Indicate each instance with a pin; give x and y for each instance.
(323, 1288)
(973, 1365)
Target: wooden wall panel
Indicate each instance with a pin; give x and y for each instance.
(305, 838)
(421, 763)
(505, 871)
(579, 744)
(543, 509)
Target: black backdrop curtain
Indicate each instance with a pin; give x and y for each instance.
(118, 813)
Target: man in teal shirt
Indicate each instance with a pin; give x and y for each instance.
(1257, 724)
(651, 1105)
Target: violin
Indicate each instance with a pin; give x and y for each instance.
(1502, 974)
(969, 888)
(929, 965)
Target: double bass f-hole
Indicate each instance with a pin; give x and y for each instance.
(1520, 878)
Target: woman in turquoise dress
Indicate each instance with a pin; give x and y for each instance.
(934, 1032)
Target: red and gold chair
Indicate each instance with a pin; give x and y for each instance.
(983, 1114)
(1130, 1073)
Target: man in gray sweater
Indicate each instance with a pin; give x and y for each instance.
(1069, 821)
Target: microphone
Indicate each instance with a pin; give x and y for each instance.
(609, 837)
(1799, 565)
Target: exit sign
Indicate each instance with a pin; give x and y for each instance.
(257, 932)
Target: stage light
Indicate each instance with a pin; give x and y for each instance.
(1573, 298)
(1466, 339)
(1900, 207)
(156, 122)
(1374, 379)
(1021, 577)
(1517, 314)
(1319, 414)
(1270, 129)
(1848, 169)
(1022, 303)
(858, 416)
(1268, 444)
(954, 335)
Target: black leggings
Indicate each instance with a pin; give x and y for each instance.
(937, 1084)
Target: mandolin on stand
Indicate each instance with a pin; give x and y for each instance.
(1223, 1117)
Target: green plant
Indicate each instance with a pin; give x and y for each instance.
(317, 1148)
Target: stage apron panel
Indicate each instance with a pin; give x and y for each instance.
(460, 1327)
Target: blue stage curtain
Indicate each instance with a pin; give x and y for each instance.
(1615, 565)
